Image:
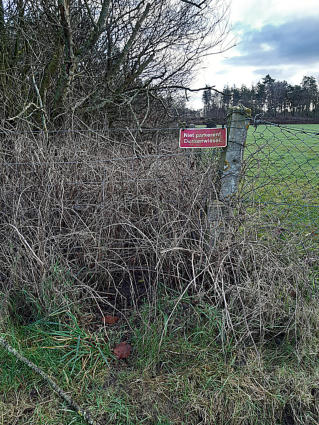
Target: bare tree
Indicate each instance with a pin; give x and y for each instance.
(101, 56)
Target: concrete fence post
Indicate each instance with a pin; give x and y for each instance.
(220, 204)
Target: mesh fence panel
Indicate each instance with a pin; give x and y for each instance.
(279, 178)
(281, 175)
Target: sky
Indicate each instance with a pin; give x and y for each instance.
(276, 37)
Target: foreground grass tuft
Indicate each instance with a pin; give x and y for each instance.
(181, 372)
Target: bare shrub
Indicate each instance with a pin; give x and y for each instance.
(103, 223)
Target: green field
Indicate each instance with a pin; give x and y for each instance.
(282, 172)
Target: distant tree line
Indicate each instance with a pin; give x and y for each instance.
(276, 100)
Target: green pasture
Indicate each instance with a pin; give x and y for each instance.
(282, 173)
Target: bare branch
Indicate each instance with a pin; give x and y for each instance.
(83, 413)
(180, 87)
(97, 27)
(97, 55)
(192, 90)
(131, 39)
(194, 4)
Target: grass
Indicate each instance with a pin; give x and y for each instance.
(193, 377)
(282, 173)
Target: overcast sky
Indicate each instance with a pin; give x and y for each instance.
(276, 37)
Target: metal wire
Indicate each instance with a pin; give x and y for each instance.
(281, 168)
(101, 161)
(282, 173)
(87, 130)
(286, 127)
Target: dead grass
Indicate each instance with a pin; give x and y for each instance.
(95, 225)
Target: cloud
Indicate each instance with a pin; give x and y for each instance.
(278, 73)
(291, 43)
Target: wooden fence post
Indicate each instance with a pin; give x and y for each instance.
(219, 207)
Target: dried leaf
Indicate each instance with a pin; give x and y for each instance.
(122, 350)
(110, 320)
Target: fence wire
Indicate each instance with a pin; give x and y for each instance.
(87, 167)
(281, 174)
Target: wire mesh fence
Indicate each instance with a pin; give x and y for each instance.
(119, 215)
(282, 174)
(280, 170)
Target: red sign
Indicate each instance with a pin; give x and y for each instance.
(203, 138)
